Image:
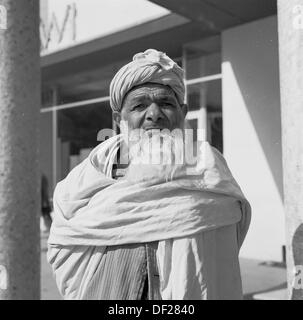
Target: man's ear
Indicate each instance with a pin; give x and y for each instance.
(117, 117)
(184, 108)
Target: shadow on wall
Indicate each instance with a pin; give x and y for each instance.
(256, 68)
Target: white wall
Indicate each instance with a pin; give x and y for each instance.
(95, 18)
(252, 130)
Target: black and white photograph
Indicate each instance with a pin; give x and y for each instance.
(151, 150)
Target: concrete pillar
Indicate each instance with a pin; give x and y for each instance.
(19, 168)
(290, 22)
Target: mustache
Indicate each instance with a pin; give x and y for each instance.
(156, 147)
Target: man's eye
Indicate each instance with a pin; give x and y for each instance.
(167, 104)
(139, 106)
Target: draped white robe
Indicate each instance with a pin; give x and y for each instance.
(200, 221)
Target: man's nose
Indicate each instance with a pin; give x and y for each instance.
(154, 113)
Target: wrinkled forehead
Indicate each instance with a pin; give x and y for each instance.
(151, 89)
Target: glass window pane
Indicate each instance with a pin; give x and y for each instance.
(203, 57)
(200, 66)
(46, 148)
(78, 130)
(193, 123)
(208, 95)
(205, 94)
(215, 129)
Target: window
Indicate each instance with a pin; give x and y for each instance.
(202, 64)
(69, 133)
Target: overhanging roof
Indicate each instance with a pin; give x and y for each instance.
(191, 20)
(219, 15)
(122, 45)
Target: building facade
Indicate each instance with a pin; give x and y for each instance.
(229, 51)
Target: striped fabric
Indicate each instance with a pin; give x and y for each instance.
(127, 272)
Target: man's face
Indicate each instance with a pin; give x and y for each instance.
(152, 106)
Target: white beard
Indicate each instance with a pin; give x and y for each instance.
(156, 155)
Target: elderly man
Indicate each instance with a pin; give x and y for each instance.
(128, 227)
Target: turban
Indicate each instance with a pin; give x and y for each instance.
(150, 66)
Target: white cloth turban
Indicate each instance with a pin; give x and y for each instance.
(151, 66)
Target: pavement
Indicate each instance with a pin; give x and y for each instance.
(49, 289)
(262, 280)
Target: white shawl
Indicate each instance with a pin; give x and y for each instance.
(93, 210)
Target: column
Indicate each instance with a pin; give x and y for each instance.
(19, 167)
(290, 24)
